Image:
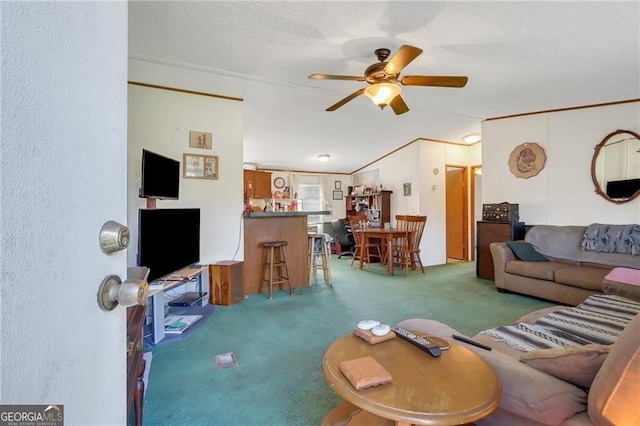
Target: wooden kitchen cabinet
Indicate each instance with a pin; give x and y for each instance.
(494, 232)
(258, 182)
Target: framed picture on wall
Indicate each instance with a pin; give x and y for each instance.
(196, 166)
(337, 185)
(337, 195)
(200, 140)
(407, 189)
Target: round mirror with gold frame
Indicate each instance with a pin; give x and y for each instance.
(615, 167)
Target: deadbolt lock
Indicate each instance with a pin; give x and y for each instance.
(113, 237)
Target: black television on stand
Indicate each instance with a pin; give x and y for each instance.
(160, 177)
(168, 240)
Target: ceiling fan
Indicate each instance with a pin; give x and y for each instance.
(382, 75)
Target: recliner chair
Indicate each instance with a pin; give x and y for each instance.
(344, 236)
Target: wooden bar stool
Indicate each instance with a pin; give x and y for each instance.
(274, 257)
(322, 253)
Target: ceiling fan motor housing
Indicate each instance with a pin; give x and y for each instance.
(375, 74)
(382, 54)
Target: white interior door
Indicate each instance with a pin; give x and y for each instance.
(62, 176)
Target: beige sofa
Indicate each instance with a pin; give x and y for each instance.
(570, 275)
(532, 397)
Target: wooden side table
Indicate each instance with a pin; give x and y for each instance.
(456, 388)
(494, 232)
(226, 282)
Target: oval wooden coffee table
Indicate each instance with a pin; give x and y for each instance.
(456, 388)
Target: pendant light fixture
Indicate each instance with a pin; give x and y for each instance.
(382, 93)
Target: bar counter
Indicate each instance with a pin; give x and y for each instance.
(286, 226)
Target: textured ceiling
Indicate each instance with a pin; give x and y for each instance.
(519, 57)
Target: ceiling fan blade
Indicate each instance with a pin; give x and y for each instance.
(434, 80)
(345, 100)
(398, 105)
(402, 58)
(335, 77)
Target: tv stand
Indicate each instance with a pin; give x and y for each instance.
(188, 300)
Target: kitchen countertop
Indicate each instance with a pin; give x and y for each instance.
(286, 214)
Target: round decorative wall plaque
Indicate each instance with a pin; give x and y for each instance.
(527, 160)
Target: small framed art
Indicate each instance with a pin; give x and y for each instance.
(407, 189)
(196, 166)
(337, 195)
(200, 140)
(337, 185)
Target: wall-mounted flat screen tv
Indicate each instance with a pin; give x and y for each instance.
(168, 240)
(160, 176)
(623, 188)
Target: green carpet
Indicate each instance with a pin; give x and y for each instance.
(279, 343)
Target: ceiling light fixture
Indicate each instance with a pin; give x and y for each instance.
(323, 157)
(472, 138)
(382, 93)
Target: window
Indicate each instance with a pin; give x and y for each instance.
(312, 200)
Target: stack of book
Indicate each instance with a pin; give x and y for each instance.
(177, 324)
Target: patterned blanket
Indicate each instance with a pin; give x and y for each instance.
(612, 238)
(599, 319)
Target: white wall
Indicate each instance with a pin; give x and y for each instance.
(563, 192)
(395, 170)
(338, 207)
(160, 121)
(433, 247)
(475, 154)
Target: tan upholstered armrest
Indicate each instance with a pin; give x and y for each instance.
(526, 392)
(532, 394)
(501, 254)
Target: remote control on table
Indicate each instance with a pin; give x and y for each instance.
(419, 342)
(471, 342)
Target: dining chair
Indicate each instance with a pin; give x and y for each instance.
(360, 249)
(355, 222)
(406, 251)
(357, 218)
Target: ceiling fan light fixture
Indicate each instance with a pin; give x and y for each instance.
(323, 157)
(382, 93)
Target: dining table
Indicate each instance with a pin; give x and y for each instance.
(387, 235)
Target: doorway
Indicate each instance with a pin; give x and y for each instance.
(457, 216)
(476, 205)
